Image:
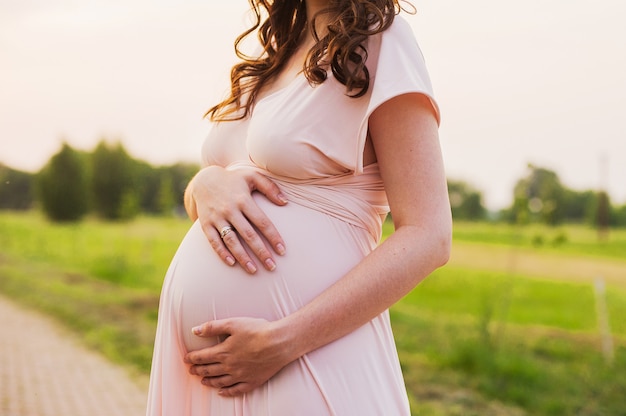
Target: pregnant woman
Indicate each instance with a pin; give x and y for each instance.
(276, 302)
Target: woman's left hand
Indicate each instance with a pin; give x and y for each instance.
(250, 355)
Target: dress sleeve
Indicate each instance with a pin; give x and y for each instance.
(396, 67)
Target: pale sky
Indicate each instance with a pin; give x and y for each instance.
(517, 82)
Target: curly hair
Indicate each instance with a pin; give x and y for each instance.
(342, 49)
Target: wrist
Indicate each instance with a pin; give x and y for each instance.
(198, 184)
(287, 339)
(189, 197)
(190, 202)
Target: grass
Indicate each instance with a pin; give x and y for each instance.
(574, 240)
(100, 279)
(509, 327)
(129, 254)
(534, 346)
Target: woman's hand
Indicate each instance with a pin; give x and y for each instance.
(249, 356)
(220, 198)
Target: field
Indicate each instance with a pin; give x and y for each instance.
(513, 325)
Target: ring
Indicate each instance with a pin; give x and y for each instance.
(226, 230)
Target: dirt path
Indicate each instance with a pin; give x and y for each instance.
(45, 371)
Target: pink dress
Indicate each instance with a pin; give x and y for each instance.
(310, 141)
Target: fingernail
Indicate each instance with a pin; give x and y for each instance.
(269, 263)
(196, 330)
(230, 261)
(280, 249)
(283, 198)
(250, 267)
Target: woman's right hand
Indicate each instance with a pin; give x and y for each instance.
(220, 198)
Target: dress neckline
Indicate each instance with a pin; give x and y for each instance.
(282, 89)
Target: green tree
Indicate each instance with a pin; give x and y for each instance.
(539, 196)
(602, 217)
(16, 189)
(63, 186)
(165, 195)
(115, 192)
(466, 202)
(576, 205)
(181, 174)
(161, 189)
(619, 216)
(149, 180)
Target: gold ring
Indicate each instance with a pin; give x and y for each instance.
(226, 230)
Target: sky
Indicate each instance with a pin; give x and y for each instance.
(538, 82)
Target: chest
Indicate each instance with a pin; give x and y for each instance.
(298, 131)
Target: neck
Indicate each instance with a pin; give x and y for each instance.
(312, 8)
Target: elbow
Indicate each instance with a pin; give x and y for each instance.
(432, 242)
(445, 250)
(433, 245)
(442, 243)
(442, 248)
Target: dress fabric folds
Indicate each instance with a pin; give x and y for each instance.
(310, 141)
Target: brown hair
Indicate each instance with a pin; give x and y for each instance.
(279, 34)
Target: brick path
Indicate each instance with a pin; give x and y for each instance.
(45, 371)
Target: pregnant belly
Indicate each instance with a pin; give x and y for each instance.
(200, 287)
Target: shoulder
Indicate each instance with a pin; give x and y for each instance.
(397, 65)
(400, 27)
(398, 37)
(396, 47)
(399, 32)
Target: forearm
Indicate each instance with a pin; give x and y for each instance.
(381, 279)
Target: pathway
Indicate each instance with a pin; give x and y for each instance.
(46, 371)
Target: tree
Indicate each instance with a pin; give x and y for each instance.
(165, 195)
(149, 180)
(577, 205)
(16, 189)
(115, 192)
(161, 189)
(181, 174)
(538, 197)
(619, 216)
(466, 202)
(598, 212)
(63, 187)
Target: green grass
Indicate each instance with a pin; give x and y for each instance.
(483, 336)
(101, 279)
(570, 239)
(518, 299)
(133, 254)
(539, 364)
